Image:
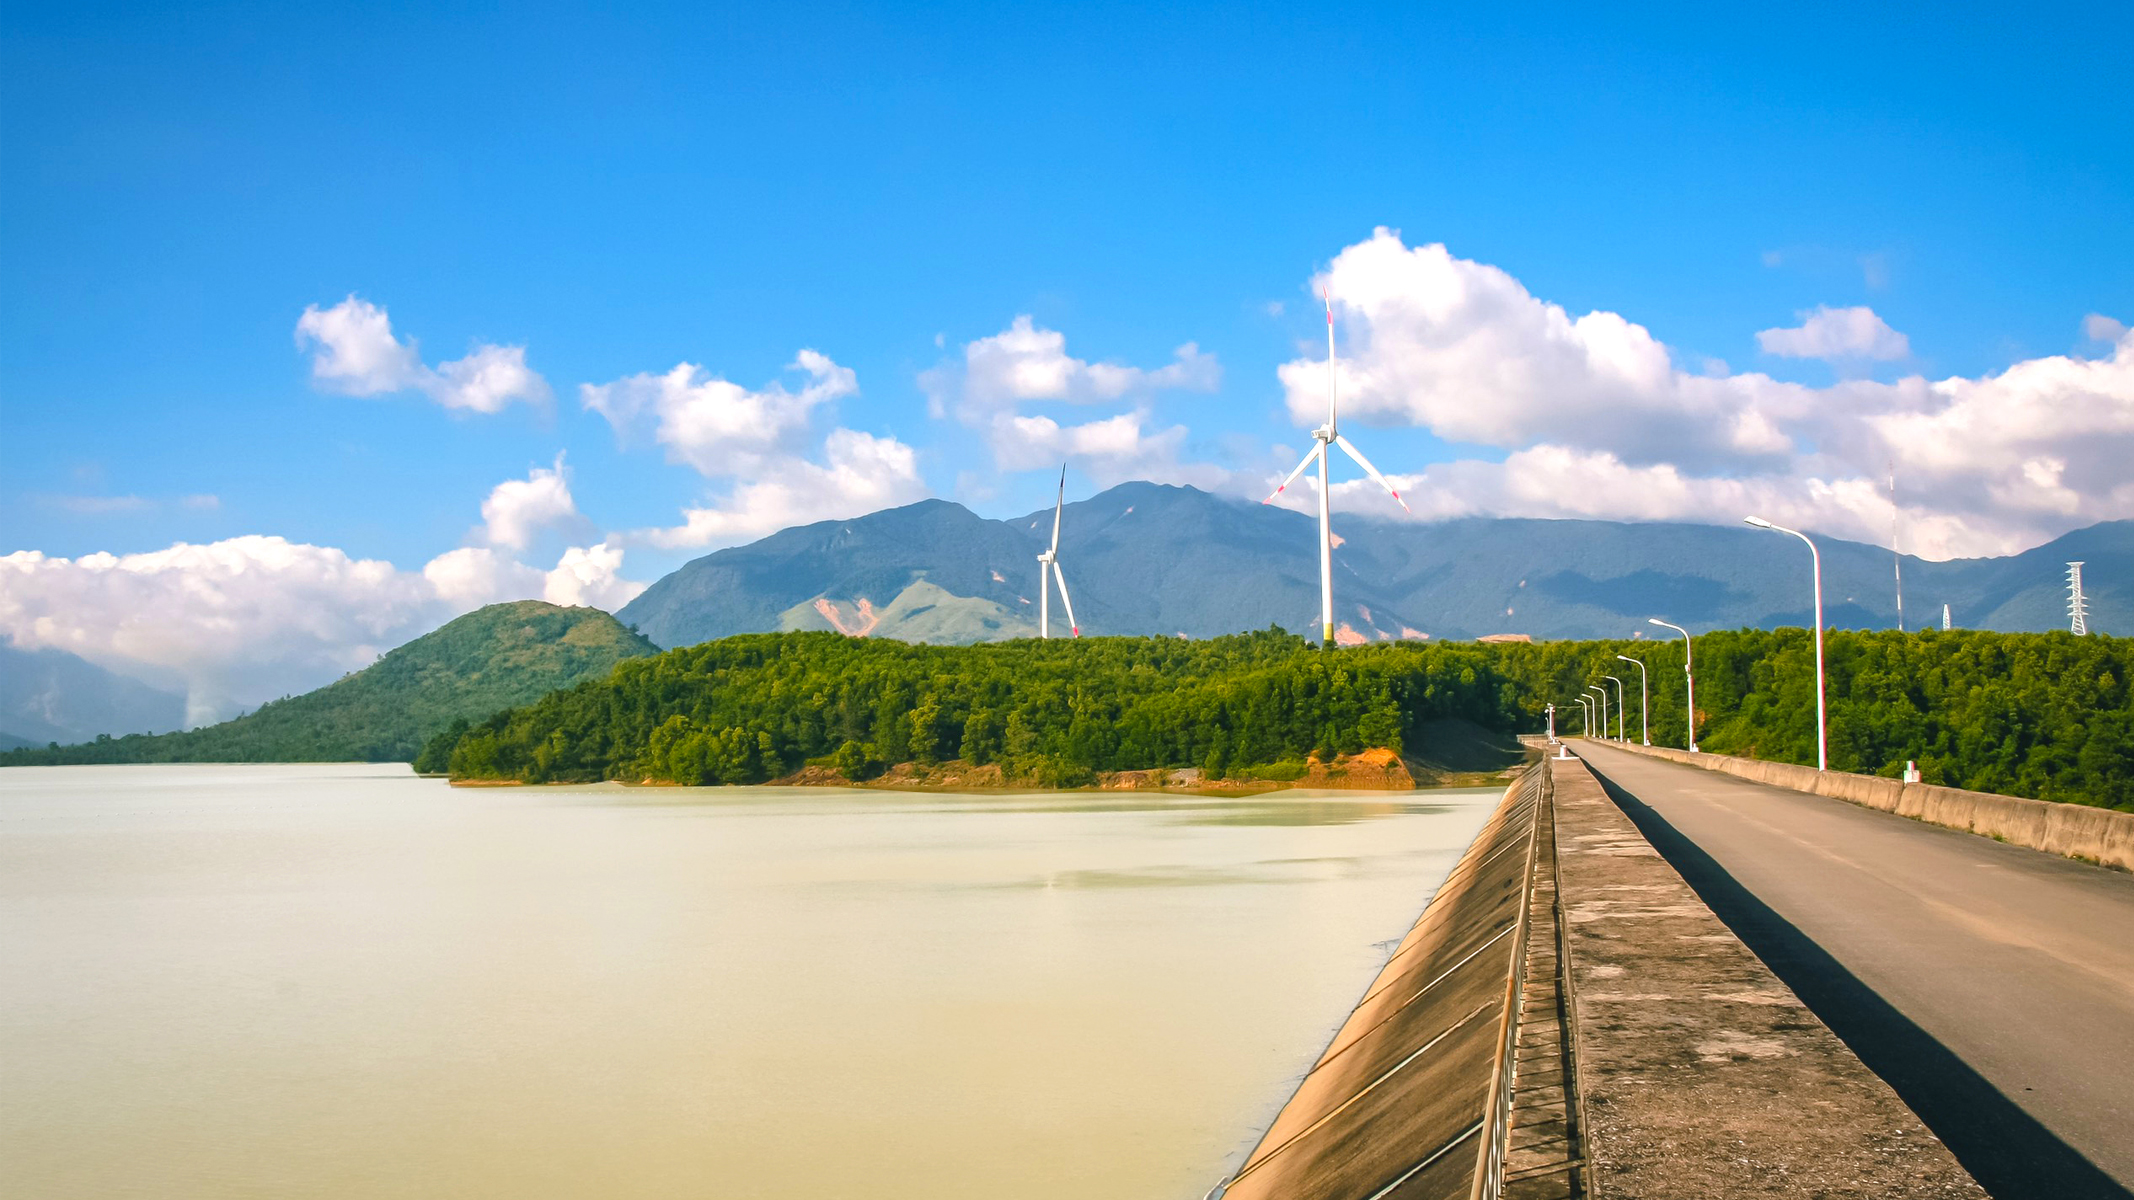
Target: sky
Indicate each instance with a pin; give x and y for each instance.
(320, 324)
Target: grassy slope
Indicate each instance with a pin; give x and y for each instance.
(490, 659)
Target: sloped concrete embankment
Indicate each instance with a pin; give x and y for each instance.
(1401, 1103)
(2098, 835)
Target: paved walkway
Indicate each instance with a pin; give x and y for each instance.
(1992, 986)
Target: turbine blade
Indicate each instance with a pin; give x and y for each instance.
(1061, 576)
(1057, 506)
(1368, 469)
(1328, 296)
(1308, 456)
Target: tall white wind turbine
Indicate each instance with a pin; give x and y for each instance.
(1048, 572)
(1330, 434)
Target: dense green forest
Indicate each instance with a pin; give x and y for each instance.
(2044, 715)
(497, 656)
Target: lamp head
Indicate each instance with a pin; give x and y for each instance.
(1626, 658)
(1759, 522)
(1655, 621)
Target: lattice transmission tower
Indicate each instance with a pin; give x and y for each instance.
(2078, 605)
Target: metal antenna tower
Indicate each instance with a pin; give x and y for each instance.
(2078, 606)
(1896, 515)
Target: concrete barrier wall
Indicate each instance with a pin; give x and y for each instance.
(2099, 835)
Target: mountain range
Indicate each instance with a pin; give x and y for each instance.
(1144, 558)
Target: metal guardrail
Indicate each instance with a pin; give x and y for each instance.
(1496, 1124)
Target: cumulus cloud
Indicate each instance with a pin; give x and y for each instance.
(757, 444)
(717, 427)
(354, 352)
(1838, 335)
(236, 622)
(1599, 421)
(244, 620)
(519, 508)
(590, 576)
(859, 474)
(1026, 364)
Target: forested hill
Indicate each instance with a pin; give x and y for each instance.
(491, 658)
(2042, 715)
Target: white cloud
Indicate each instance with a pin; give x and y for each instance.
(1838, 334)
(353, 351)
(236, 621)
(519, 508)
(717, 427)
(592, 576)
(472, 576)
(757, 442)
(2100, 328)
(242, 621)
(97, 506)
(1024, 362)
(1462, 348)
(859, 474)
(1600, 423)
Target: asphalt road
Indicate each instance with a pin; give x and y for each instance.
(1991, 985)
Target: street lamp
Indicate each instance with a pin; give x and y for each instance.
(1822, 741)
(1552, 724)
(1585, 714)
(1602, 692)
(1618, 707)
(1689, 680)
(1644, 697)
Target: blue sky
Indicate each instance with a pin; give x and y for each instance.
(621, 190)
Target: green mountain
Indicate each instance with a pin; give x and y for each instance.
(492, 658)
(1146, 558)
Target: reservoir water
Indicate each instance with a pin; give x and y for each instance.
(343, 981)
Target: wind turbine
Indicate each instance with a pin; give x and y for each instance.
(1048, 570)
(1327, 434)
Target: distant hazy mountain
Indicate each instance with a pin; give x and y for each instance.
(1153, 559)
(493, 658)
(53, 696)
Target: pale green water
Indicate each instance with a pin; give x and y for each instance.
(344, 981)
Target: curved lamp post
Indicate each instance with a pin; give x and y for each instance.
(1618, 707)
(1822, 741)
(1689, 679)
(1601, 692)
(1585, 717)
(1644, 697)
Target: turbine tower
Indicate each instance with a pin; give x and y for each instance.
(1896, 515)
(2078, 605)
(1048, 572)
(1322, 437)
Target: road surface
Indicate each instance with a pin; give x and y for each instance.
(1991, 985)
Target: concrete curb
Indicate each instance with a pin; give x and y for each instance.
(2098, 835)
